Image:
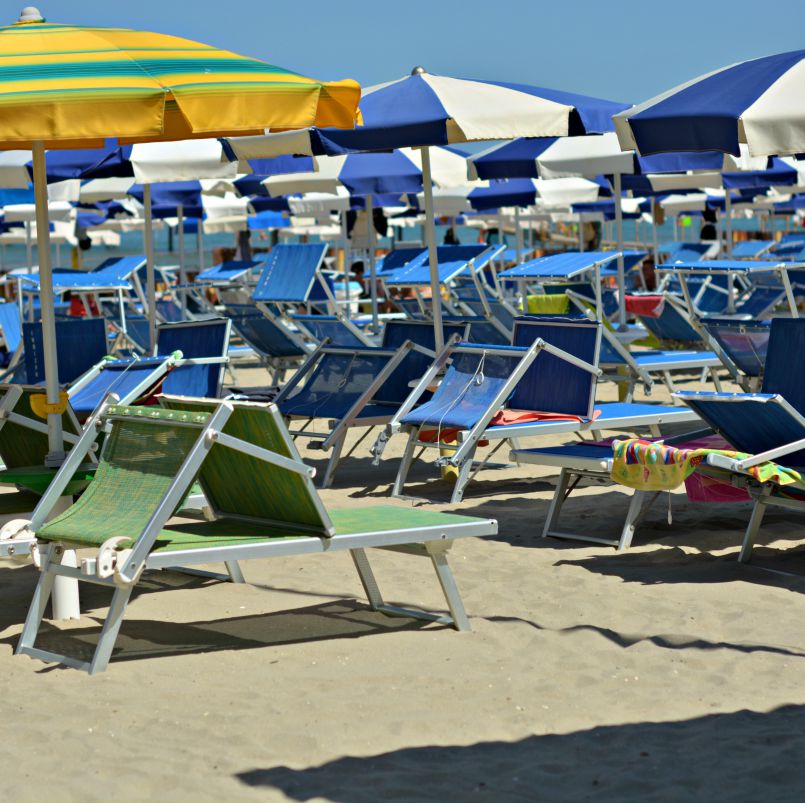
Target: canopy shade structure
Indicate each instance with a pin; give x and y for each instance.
(137, 85)
(760, 102)
(424, 110)
(65, 86)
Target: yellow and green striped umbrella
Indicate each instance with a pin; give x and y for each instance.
(64, 86)
(68, 86)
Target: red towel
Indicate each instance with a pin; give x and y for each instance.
(503, 418)
(645, 306)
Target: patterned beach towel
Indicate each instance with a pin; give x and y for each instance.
(649, 466)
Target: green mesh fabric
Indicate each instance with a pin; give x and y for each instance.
(19, 445)
(237, 484)
(139, 462)
(232, 532)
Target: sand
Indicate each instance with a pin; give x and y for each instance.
(666, 673)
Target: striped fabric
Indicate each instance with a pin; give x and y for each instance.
(69, 86)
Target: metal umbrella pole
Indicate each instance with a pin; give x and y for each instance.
(619, 246)
(182, 269)
(433, 257)
(371, 238)
(150, 291)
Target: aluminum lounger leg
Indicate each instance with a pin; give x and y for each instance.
(438, 555)
(669, 382)
(755, 521)
(638, 506)
(234, 571)
(405, 463)
(44, 588)
(111, 627)
(332, 463)
(559, 496)
(462, 479)
(368, 581)
(716, 380)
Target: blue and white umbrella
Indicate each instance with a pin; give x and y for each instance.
(423, 110)
(760, 102)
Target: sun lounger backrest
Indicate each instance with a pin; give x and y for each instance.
(784, 373)
(331, 327)
(396, 259)
(127, 379)
(414, 365)
(261, 333)
(671, 325)
(139, 461)
(553, 385)
(205, 338)
(10, 326)
(289, 273)
(227, 271)
(745, 342)
(21, 446)
(80, 344)
(468, 388)
(118, 269)
(237, 484)
(340, 377)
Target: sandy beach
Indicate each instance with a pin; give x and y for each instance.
(669, 672)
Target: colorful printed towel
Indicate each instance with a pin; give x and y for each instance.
(650, 466)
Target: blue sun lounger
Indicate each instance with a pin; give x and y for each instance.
(226, 274)
(358, 387)
(276, 346)
(550, 369)
(752, 249)
(769, 425)
(292, 278)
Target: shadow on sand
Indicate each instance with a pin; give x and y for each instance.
(742, 756)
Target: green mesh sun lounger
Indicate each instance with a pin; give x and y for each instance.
(262, 504)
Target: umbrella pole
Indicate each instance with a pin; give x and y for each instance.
(200, 244)
(372, 240)
(518, 235)
(433, 258)
(654, 227)
(182, 270)
(29, 250)
(150, 291)
(55, 440)
(728, 215)
(581, 233)
(619, 246)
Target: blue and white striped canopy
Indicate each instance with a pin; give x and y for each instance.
(760, 102)
(424, 109)
(398, 171)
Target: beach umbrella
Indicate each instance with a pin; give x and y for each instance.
(760, 102)
(424, 110)
(66, 86)
(373, 174)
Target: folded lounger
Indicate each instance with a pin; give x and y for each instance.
(262, 501)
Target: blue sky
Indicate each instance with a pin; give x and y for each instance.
(617, 49)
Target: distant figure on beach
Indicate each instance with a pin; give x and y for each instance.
(708, 230)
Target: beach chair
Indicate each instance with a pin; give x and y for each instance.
(504, 395)
(80, 344)
(752, 249)
(204, 345)
(262, 500)
(335, 329)
(276, 346)
(769, 425)
(745, 344)
(453, 262)
(358, 387)
(11, 330)
(640, 366)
